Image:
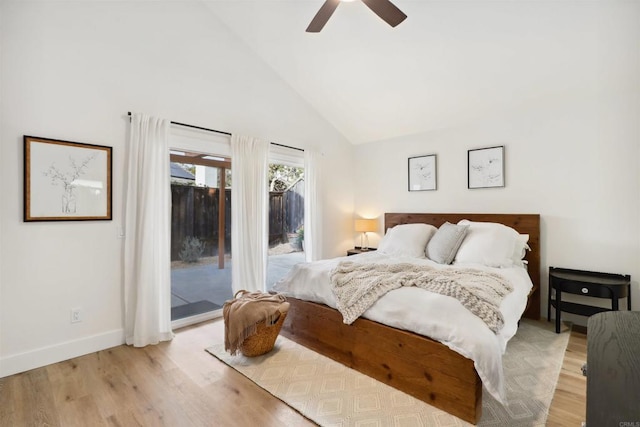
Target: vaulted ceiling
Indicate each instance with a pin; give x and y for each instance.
(449, 62)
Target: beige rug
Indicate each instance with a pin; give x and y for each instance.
(331, 394)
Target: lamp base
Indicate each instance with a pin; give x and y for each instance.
(364, 242)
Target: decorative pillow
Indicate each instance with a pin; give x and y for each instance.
(444, 244)
(407, 240)
(487, 243)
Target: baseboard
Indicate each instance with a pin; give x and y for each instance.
(26, 361)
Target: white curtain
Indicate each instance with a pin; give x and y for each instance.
(147, 252)
(249, 213)
(312, 206)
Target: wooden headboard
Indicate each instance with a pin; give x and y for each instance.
(523, 223)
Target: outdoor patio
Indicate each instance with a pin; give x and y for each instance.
(204, 287)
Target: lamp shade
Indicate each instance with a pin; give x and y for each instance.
(364, 225)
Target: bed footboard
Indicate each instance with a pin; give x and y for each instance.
(416, 365)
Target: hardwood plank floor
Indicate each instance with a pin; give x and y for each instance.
(569, 405)
(179, 384)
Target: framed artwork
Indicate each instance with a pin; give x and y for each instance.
(66, 181)
(422, 173)
(485, 167)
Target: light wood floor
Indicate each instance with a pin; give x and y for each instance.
(569, 405)
(179, 384)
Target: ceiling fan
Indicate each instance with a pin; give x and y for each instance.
(383, 8)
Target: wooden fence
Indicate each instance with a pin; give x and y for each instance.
(286, 212)
(194, 212)
(294, 207)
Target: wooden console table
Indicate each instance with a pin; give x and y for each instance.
(613, 369)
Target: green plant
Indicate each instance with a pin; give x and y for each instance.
(301, 234)
(192, 249)
(282, 177)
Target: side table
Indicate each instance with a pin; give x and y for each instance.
(358, 250)
(587, 283)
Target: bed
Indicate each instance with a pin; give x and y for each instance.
(413, 363)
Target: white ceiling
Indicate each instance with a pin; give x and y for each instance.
(450, 61)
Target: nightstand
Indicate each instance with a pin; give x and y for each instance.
(358, 250)
(586, 283)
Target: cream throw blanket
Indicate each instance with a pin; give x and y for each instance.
(243, 313)
(358, 286)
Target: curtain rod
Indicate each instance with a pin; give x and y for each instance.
(221, 132)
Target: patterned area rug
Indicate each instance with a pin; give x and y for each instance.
(331, 394)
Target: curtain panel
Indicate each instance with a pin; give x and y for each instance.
(249, 213)
(147, 257)
(312, 206)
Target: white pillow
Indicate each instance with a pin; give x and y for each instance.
(520, 249)
(407, 240)
(487, 243)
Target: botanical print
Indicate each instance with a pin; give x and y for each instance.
(66, 180)
(486, 168)
(422, 173)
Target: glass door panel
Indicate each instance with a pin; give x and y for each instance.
(286, 220)
(200, 234)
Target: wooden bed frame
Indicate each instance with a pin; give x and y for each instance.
(412, 363)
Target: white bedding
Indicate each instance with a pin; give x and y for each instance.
(439, 317)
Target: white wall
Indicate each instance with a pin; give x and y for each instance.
(572, 156)
(1, 156)
(71, 70)
(576, 165)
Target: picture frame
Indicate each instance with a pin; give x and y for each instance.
(485, 167)
(66, 181)
(422, 171)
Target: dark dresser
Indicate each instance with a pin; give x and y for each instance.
(613, 369)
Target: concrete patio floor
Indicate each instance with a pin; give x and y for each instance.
(205, 287)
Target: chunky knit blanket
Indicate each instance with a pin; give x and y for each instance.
(358, 286)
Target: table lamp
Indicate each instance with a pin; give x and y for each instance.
(364, 226)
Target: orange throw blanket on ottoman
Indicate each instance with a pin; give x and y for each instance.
(243, 313)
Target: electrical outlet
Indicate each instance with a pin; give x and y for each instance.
(75, 315)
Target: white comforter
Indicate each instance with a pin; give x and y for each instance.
(439, 317)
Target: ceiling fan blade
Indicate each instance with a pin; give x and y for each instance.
(386, 10)
(318, 22)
